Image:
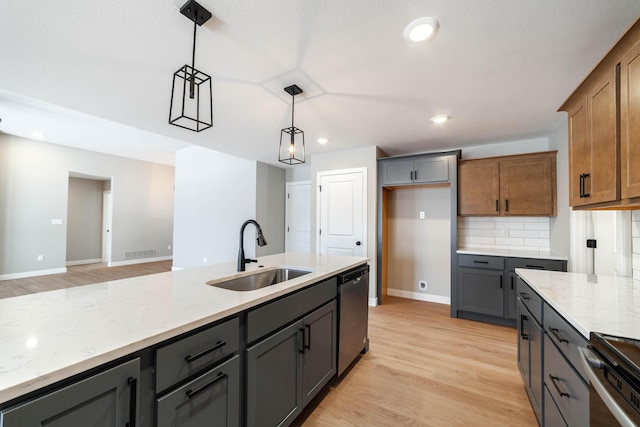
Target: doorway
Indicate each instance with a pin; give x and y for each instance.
(298, 217)
(341, 212)
(89, 207)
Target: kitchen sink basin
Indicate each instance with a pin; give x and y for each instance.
(258, 280)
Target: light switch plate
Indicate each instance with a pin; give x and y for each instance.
(422, 215)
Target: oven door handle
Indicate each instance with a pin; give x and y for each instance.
(590, 362)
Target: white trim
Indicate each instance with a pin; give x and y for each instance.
(84, 261)
(365, 217)
(373, 302)
(32, 273)
(139, 261)
(419, 296)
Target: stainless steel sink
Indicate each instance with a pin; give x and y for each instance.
(258, 280)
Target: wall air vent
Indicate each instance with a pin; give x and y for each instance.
(140, 254)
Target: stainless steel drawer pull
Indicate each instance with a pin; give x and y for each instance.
(554, 332)
(555, 384)
(218, 345)
(192, 393)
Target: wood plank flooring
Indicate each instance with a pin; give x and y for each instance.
(79, 275)
(427, 369)
(423, 367)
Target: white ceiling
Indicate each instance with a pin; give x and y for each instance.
(97, 74)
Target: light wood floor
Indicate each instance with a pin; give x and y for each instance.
(79, 275)
(423, 368)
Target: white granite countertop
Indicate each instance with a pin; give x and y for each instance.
(512, 253)
(49, 336)
(606, 304)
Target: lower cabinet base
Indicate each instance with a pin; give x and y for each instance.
(486, 318)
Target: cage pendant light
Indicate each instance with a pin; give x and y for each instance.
(292, 138)
(191, 100)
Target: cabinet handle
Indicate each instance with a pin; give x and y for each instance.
(524, 296)
(415, 175)
(301, 350)
(555, 384)
(500, 282)
(308, 338)
(480, 262)
(554, 332)
(583, 178)
(133, 396)
(193, 393)
(506, 203)
(218, 345)
(536, 267)
(523, 318)
(411, 175)
(497, 205)
(511, 282)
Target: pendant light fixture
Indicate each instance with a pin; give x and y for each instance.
(191, 100)
(292, 138)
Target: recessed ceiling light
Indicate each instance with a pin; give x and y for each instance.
(38, 135)
(421, 29)
(440, 118)
(322, 140)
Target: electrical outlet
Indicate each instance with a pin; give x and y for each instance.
(422, 215)
(204, 260)
(169, 247)
(40, 258)
(422, 284)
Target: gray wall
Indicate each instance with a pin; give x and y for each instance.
(84, 220)
(270, 206)
(215, 194)
(34, 182)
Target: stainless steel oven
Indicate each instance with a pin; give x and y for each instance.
(613, 367)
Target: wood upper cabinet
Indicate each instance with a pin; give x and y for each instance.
(630, 123)
(593, 146)
(522, 185)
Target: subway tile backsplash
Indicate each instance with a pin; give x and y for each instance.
(530, 233)
(635, 243)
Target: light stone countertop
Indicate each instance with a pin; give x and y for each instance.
(512, 253)
(606, 304)
(49, 336)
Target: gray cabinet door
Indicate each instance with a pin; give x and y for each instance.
(103, 400)
(273, 378)
(510, 296)
(481, 291)
(524, 326)
(431, 169)
(397, 172)
(319, 356)
(536, 382)
(212, 399)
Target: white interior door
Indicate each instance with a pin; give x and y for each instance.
(342, 213)
(298, 217)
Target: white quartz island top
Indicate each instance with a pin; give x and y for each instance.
(606, 304)
(50, 336)
(514, 253)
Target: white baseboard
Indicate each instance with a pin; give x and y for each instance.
(373, 302)
(176, 268)
(84, 261)
(419, 296)
(139, 261)
(35, 273)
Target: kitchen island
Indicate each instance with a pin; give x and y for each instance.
(49, 337)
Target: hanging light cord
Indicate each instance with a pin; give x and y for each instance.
(193, 61)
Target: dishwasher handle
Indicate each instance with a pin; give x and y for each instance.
(353, 275)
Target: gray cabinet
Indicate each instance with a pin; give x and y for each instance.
(210, 399)
(530, 344)
(415, 170)
(108, 398)
(287, 369)
(487, 285)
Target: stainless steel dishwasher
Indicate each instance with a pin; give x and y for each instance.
(353, 315)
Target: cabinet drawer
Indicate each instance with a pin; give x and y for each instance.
(567, 389)
(211, 399)
(530, 299)
(177, 361)
(537, 264)
(565, 337)
(552, 415)
(481, 261)
(274, 315)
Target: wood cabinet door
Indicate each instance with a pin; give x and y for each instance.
(579, 151)
(479, 187)
(528, 186)
(630, 124)
(602, 184)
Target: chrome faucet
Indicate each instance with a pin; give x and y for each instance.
(261, 242)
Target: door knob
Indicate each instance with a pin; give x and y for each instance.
(358, 243)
